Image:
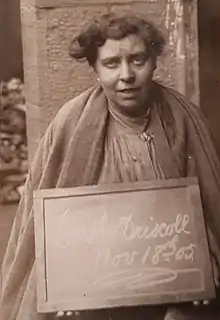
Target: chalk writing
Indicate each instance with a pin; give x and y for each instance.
(154, 254)
(86, 234)
(134, 279)
(125, 228)
(170, 249)
(159, 230)
(147, 251)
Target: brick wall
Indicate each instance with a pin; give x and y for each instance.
(52, 77)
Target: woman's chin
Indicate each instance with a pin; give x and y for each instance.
(131, 108)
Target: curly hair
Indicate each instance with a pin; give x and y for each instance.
(110, 26)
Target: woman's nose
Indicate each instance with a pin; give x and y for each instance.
(126, 73)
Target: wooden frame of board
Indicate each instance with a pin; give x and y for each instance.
(121, 245)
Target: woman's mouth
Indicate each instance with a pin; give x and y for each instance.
(128, 90)
(128, 93)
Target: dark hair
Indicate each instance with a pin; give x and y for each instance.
(111, 26)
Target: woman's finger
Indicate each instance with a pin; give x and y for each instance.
(60, 314)
(198, 303)
(67, 313)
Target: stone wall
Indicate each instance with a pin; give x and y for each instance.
(52, 77)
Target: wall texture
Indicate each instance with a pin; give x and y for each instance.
(52, 77)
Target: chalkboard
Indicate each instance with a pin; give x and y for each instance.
(121, 245)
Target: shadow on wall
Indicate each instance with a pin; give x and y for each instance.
(209, 47)
(10, 40)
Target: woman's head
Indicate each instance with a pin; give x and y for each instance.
(123, 52)
(117, 27)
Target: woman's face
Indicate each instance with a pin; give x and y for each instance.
(125, 70)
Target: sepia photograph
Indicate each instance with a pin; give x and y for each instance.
(109, 160)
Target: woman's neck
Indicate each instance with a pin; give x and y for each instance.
(136, 123)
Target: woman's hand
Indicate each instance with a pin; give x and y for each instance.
(199, 303)
(61, 314)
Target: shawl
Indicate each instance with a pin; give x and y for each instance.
(70, 154)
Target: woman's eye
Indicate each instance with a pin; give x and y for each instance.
(111, 64)
(139, 61)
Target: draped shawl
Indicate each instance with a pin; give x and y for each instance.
(71, 153)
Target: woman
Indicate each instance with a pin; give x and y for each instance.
(126, 128)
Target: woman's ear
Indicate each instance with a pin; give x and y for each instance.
(154, 64)
(94, 67)
(96, 73)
